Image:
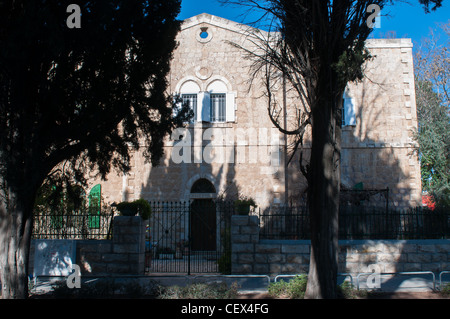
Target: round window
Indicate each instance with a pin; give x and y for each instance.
(204, 35)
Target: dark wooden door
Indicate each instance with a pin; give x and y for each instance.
(203, 225)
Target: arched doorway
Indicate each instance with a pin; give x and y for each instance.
(203, 216)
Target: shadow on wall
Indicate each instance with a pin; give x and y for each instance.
(376, 154)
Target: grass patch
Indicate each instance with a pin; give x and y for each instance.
(104, 288)
(445, 290)
(110, 289)
(292, 289)
(296, 289)
(200, 291)
(347, 291)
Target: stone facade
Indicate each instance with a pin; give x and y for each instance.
(250, 255)
(377, 149)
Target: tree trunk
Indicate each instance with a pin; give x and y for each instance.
(323, 198)
(15, 237)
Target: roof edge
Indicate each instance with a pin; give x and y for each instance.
(216, 21)
(243, 28)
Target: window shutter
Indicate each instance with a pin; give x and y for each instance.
(349, 112)
(95, 206)
(205, 100)
(230, 107)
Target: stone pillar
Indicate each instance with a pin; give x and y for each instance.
(244, 237)
(128, 245)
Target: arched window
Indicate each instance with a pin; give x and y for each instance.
(218, 101)
(189, 94)
(215, 105)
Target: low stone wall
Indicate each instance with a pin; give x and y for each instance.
(250, 255)
(124, 254)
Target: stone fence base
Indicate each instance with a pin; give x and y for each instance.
(250, 255)
(124, 254)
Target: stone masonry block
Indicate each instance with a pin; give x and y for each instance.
(246, 258)
(238, 238)
(242, 248)
(391, 257)
(254, 239)
(126, 248)
(267, 248)
(390, 267)
(249, 229)
(294, 259)
(275, 268)
(237, 220)
(434, 267)
(291, 269)
(409, 248)
(439, 257)
(127, 221)
(253, 221)
(443, 248)
(128, 238)
(419, 258)
(241, 268)
(261, 268)
(424, 248)
(261, 258)
(276, 258)
(412, 267)
(115, 258)
(297, 249)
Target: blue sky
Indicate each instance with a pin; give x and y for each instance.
(406, 20)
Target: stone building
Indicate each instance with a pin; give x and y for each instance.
(231, 147)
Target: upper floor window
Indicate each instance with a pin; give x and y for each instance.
(218, 107)
(215, 104)
(191, 100)
(348, 110)
(189, 94)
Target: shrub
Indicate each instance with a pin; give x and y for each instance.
(293, 289)
(140, 206)
(200, 291)
(224, 263)
(347, 291)
(445, 290)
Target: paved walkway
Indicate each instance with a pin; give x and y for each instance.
(259, 284)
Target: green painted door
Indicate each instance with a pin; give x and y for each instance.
(95, 206)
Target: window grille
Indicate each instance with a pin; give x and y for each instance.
(218, 107)
(192, 100)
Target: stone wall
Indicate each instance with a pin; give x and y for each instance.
(124, 254)
(250, 255)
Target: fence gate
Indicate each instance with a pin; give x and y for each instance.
(189, 237)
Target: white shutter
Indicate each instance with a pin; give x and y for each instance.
(204, 102)
(349, 111)
(230, 107)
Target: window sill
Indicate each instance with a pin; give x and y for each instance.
(211, 124)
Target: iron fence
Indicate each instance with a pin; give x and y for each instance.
(359, 222)
(81, 224)
(189, 237)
